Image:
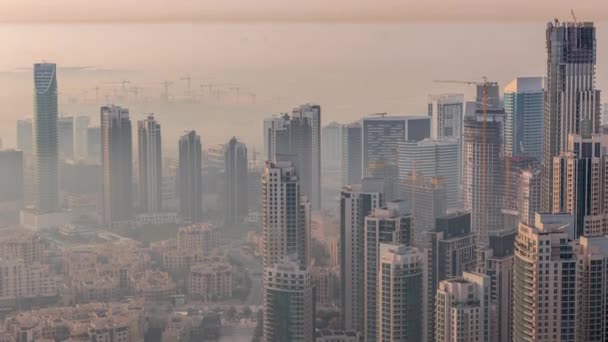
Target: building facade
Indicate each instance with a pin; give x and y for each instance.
(189, 177)
(401, 294)
(286, 215)
(45, 145)
(571, 93)
(524, 115)
(351, 154)
(150, 164)
(463, 309)
(544, 280)
(433, 158)
(483, 173)
(426, 198)
(356, 202)
(382, 134)
(580, 183)
(289, 306)
(116, 159)
(235, 168)
(388, 225)
(446, 112)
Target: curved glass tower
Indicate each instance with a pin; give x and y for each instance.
(45, 143)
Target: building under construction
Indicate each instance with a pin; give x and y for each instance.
(483, 174)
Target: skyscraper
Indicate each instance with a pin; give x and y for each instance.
(117, 165)
(295, 135)
(150, 164)
(580, 183)
(432, 158)
(274, 130)
(81, 127)
(235, 168)
(388, 225)
(544, 280)
(289, 305)
(65, 133)
(312, 113)
(451, 251)
(351, 154)
(45, 139)
(496, 261)
(382, 134)
(356, 202)
(401, 294)
(426, 199)
(286, 215)
(483, 172)
(463, 309)
(189, 178)
(24, 135)
(571, 94)
(524, 115)
(446, 112)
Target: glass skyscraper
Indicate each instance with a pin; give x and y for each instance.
(45, 139)
(524, 110)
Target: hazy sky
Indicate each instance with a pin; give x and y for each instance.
(352, 57)
(309, 10)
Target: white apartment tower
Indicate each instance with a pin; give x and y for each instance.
(463, 309)
(545, 281)
(286, 215)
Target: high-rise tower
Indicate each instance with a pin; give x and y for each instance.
(116, 160)
(45, 143)
(356, 202)
(483, 172)
(286, 212)
(544, 280)
(570, 93)
(190, 177)
(524, 115)
(235, 168)
(150, 164)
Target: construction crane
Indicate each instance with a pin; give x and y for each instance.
(165, 94)
(124, 86)
(188, 79)
(378, 114)
(484, 150)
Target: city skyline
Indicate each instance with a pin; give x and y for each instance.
(271, 216)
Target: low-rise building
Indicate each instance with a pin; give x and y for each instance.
(210, 281)
(110, 322)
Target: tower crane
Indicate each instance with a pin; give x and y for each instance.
(124, 86)
(165, 94)
(484, 150)
(188, 79)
